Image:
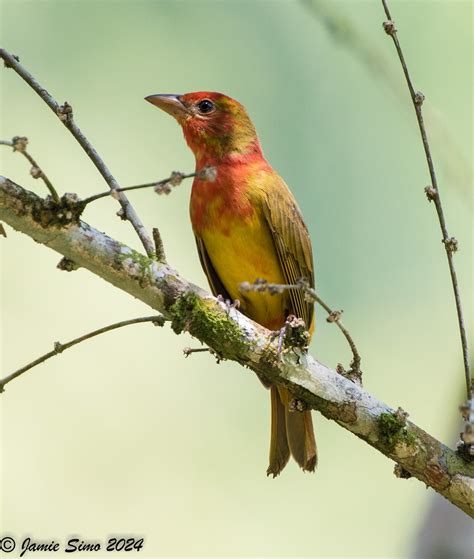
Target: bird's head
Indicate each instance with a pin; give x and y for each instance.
(214, 124)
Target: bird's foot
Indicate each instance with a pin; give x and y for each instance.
(228, 303)
(292, 335)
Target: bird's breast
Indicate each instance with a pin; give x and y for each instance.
(240, 246)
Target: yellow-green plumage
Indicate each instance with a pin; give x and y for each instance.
(248, 226)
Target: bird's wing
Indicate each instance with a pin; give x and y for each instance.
(292, 243)
(217, 287)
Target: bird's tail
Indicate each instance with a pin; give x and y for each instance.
(292, 432)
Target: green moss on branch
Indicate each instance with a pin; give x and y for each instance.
(393, 429)
(205, 320)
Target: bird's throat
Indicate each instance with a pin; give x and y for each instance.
(217, 145)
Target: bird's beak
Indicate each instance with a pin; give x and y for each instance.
(169, 103)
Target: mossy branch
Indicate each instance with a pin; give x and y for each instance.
(233, 336)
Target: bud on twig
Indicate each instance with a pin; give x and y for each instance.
(419, 98)
(451, 244)
(389, 27)
(64, 112)
(19, 143)
(431, 192)
(334, 316)
(35, 172)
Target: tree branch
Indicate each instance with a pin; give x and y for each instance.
(162, 186)
(64, 113)
(450, 243)
(59, 348)
(19, 143)
(236, 337)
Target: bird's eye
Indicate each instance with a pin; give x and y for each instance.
(205, 106)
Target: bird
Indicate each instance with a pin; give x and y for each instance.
(248, 226)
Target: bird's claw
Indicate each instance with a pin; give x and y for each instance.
(228, 303)
(293, 334)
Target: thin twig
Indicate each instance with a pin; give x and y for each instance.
(159, 247)
(335, 316)
(190, 350)
(157, 320)
(450, 243)
(311, 295)
(187, 351)
(157, 185)
(19, 143)
(433, 194)
(344, 29)
(64, 113)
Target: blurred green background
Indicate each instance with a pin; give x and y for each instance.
(122, 434)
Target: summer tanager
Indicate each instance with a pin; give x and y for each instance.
(247, 226)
